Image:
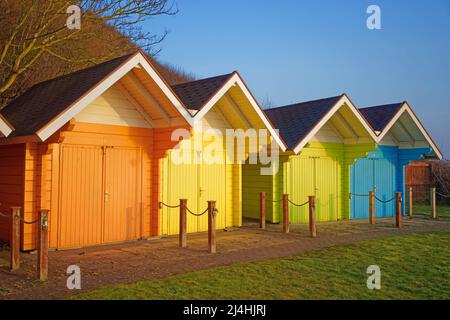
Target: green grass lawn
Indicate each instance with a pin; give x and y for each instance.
(413, 267)
(442, 211)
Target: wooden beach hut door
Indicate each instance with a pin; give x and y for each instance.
(99, 195)
(317, 176)
(378, 173)
(198, 183)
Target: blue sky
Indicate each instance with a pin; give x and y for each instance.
(297, 50)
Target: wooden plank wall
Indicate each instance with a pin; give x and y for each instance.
(12, 163)
(418, 176)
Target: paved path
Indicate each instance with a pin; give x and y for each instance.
(134, 261)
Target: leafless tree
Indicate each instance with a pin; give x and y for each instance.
(267, 103)
(32, 31)
(441, 177)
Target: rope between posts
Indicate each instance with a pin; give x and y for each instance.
(359, 195)
(29, 222)
(276, 201)
(385, 201)
(197, 214)
(21, 219)
(298, 205)
(162, 204)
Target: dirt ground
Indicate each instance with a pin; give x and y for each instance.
(151, 259)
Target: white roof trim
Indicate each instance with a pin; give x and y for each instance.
(5, 128)
(236, 80)
(138, 59)
(407, 108)
(343, 100)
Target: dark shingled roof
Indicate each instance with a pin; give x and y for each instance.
(297, 120)
(196, 94)
(46, 100)
(379, 116)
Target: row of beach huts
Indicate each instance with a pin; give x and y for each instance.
(97, 149)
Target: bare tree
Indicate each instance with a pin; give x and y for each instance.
(32, 31)
(267, 103)
(441, 177)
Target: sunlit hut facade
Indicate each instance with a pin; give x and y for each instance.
(94, 148)
(401, 139)
(324, 138)
(86, 147)
(211, 167)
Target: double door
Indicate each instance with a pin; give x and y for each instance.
(198, 183)
(314, 176)
(373, 174)
(100, 192)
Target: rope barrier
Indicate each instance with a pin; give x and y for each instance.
(29, 222)
(162, 204)
(385, 201)
(298, 205)
(276, 201)
(196, 214)
(359, 195)
(21, 219)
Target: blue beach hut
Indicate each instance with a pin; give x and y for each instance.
(401, 139)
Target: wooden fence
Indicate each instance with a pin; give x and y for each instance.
(419, 177)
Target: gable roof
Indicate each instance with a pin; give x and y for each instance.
(300, 122)
(202, 95)
(195, 94)
(379, 116)
(295, 121)
(386, 116)
(47, 106)
(44, 101)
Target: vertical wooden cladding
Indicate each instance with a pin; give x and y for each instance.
(12, 164)
(317, 171)
(105, 185)
(162, 145)
(122, 193)
(322, 169)
(383, 169)
(200, 183)
(69, 178)
(81, 200)
(100, 195)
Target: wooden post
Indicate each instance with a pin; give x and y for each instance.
(398, 213)
(183, 235)
(15, 239)
(371, 207)
(212, 226)
(43, 245)
(433, 203)
(410, 202)
(312, 216)
(285, 213)
(262, 210)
